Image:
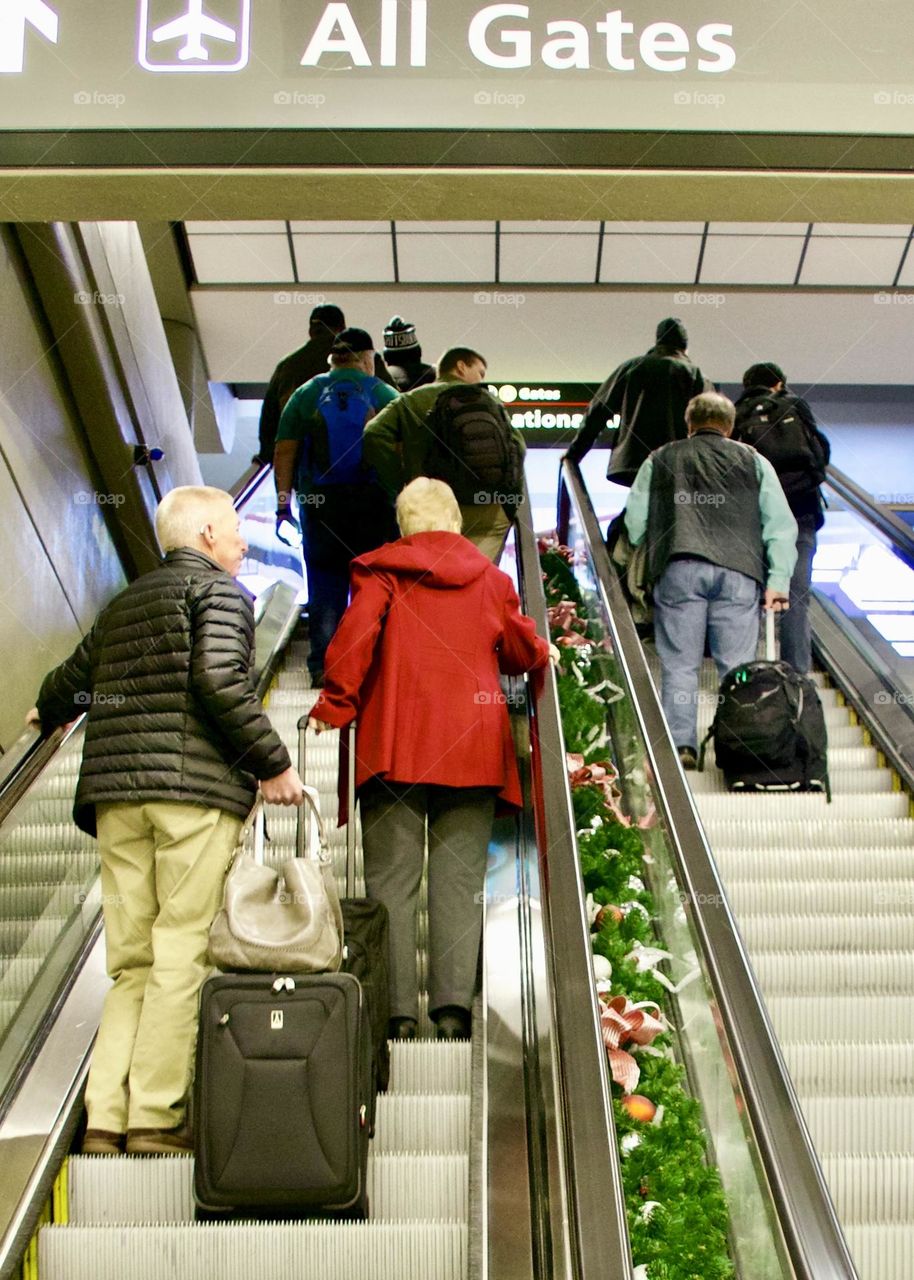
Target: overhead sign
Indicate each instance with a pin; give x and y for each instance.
(546, 413)
(426, 64)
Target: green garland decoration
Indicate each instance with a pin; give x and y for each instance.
(677, 1213)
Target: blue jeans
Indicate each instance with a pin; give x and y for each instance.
(695, 599)
(796, 647)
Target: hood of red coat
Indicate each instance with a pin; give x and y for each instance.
(441, 559)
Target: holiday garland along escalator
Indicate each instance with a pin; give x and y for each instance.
(677, 1214)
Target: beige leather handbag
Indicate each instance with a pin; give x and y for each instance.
(285, 921)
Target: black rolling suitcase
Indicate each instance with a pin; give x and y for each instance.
(769, 730)
(280, 1123)
(366, 929)
(283, 1092)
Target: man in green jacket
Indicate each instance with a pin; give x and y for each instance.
(397, 444)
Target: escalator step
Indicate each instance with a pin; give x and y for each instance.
(45, 868)
(860, 1126)
(820, 897)
(280, 1251)
(884, 973)
(430, 1066)
(842, 1018)
(790, 833)
(778, 807)
(881, 1251)
(422, 1122)
(887, 1071)
(410, 1187)
(813, 865)
(869, 1189)
(844, 781)
(853, 934)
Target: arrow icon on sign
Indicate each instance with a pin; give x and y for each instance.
(14, 14)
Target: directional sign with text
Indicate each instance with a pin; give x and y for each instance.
(710, 65)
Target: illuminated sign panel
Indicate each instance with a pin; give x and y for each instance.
(546, 413)
(427, 64)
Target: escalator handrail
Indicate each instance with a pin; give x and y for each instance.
(810, 1226)
(883, 518)
(596, 1208)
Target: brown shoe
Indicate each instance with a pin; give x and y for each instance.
(101, 1142)
(160, 1142)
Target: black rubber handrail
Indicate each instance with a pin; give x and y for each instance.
(899, 534)
(808, 1222)
(596, 1206)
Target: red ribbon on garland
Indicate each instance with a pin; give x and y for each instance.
(622, 1022)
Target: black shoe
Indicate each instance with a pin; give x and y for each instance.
(687, 757)
(453, 1023)
(317, 679)
(401, 1029)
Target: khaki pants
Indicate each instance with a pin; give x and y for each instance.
(487, 527)
(163, 866)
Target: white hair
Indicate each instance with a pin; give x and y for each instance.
(428, 506)
(183, 512)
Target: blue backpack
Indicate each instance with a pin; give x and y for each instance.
(345, 406)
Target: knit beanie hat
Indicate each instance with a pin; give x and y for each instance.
(672, 333)
(400, 336)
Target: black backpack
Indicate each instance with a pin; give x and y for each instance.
(771, 424)
(769, 731)
(473, 448)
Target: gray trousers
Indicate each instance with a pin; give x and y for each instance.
(459, 819)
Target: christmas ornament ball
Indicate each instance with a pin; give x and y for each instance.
(639, 1107)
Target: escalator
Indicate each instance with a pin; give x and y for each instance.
(820, 892)
(472, 1169)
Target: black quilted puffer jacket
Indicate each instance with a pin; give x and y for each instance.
(165, 677)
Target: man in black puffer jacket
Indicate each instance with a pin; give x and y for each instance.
(176, 743)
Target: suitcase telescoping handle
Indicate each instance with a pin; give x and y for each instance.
(771, 635)
(304, 817)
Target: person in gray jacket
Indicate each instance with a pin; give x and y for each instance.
(176, 744)
(720, 540)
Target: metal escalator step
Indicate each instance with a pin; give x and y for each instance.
(56, 839)
(846, 933)
(884, 866)
(430, 1066)
(881, 1251)
(842, 1018)
(46, 868)
(17, 975)
(775, 806)
(885, 1070)
(770, 832)
(823, 897)
(35, 899)
(280, 1251)
(853, 780)
(860, 1126)
(872, 1188)
(29, 937)
(422, 1122)
(413, 1186)
(884, 973)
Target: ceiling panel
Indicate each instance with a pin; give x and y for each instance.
(363, 259)
(230, 228)
(656, 228)
(341, 228)
(751, 259)
(556, 228)
(906, 279)
(547, 259)
(242, 259)
(440, 228)
(446, 259)
(851, 229)
(865, 260)
(649, 259)
(758, 228)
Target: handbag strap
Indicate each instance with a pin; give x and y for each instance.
(311, 838)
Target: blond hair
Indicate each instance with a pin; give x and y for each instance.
(428, 506)
(182, 514)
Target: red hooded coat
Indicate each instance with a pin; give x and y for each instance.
(417, 656)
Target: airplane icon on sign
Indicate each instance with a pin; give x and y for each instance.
(14, 14)
(194, 26)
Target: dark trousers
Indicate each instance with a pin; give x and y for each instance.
(796, 643)
(338, 523)
(459, 821)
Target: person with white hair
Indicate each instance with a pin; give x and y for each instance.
(176, 744)
(417, 657)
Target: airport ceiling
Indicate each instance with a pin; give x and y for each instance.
(783, 255)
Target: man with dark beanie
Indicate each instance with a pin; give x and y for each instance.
(782, 427)
(292, 372)
(403, 356)
(649, 394)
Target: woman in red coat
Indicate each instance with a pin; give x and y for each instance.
(416, 658)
